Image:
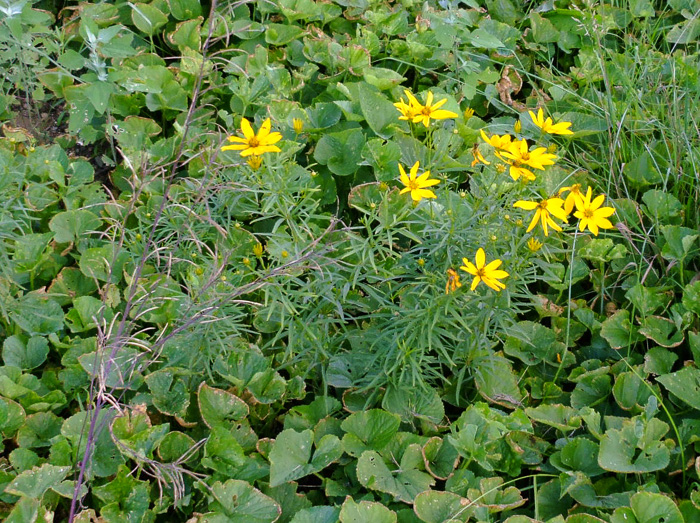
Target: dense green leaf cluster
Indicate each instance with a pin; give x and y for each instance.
(190, 336)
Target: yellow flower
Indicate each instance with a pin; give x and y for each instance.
(428, 111)
(255, 144)
(408, 110)
(499, 142)
(534, 245)
(478, 157)
(489, 274)
(298, 124)
(258, 249)
(574, 195)
(453, 282)
(417, 185)
(546, 208)
(518, 155)
(592, 215)
(255, 162)
(468, 113)
(519, 152)
(548, 126)
(517, 126)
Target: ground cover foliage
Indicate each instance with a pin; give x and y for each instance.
(318, 332)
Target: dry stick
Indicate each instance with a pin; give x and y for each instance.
(100, 400)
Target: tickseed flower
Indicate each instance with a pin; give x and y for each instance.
(548, 125)
(255, 144)
(546, 208)
(592, 215)
(574, 195)
(534, 245)
(518, 126)
(258, 249)
(254, 162)
(518, 155)
(453, 282)
(428, 111)
(298, 124)
(417, 185)
(468, 113)
(496, 141)
(489, 274)
(408, 110)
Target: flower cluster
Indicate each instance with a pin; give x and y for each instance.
(589, 211)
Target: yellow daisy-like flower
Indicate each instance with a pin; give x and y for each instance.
(546, 208)
(592, 215)
(432, 111)
(255, 144)
(408, 110)
(496, 141)
(548, 125)
(518, 156)
(538, 158)
(574, 195)
(489, 274)
(453, 282)
(416, 185)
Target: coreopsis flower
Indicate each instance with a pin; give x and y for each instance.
(574, 194)
(468, 113)
(517, 126)
(496, 141)
(254, 162)
(431, 111)
(298, 124)
(254, 143)
(416, 185)
(453, 282)
(534, 245)
(518, 155)
(548, 125)
(489, 274)
(258, 249)
(408, 110)
(592, 215)
(545, 209)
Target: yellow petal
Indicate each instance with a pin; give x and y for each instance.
(424, 193)
(468, 266)
(480, 258)
(246, 129)
(534, 221)
(439, 104)
(495, 264)
(442, 114)
(604, 212)
(475, 282)
(264, 129)
(523, 204)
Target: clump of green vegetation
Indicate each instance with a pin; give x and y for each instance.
(349, 260)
